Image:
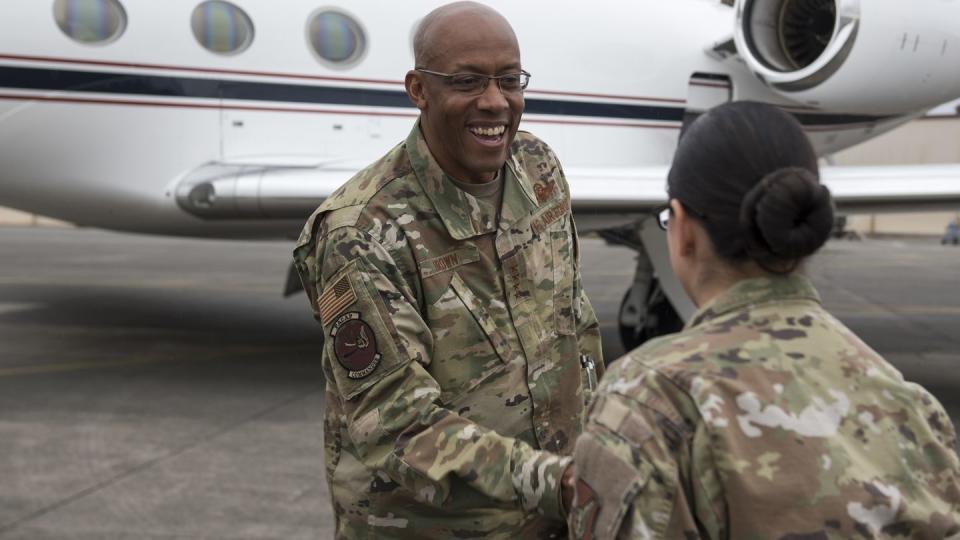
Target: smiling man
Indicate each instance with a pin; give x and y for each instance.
(459, 347)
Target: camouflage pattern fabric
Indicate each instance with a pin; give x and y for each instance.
(765, 418)
(455, 387)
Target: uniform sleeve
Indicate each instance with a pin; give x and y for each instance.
(633, 473)
(587, 325)
(376, 350)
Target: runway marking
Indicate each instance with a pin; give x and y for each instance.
(154, 284)
(13, 307)
(73, 366)
(65, 367)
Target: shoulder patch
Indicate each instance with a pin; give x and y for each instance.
(335, 299)
(355, 345)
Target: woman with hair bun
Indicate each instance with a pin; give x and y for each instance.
(765, 417)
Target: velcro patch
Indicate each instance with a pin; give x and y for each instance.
(335, 299)
(586, 506)
(547, 217)
(544, 192)
(618, 418)
(355, 345)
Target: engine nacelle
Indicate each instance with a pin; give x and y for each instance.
(855, 56)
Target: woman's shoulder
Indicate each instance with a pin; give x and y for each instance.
(723, 360)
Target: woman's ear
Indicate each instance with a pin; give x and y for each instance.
(415, 89)
(681, 229)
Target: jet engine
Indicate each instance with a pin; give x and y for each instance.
(856, 56)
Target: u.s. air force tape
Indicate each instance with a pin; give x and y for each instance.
(355, 345)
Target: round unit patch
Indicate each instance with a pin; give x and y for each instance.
(355, 345)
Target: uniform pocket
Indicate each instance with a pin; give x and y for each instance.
(469, 348)
(495, 335)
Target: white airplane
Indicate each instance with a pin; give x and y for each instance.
(235, 119)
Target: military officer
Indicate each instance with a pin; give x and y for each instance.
(765, 418)
(459, 348)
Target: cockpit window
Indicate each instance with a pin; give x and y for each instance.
(222, 27)
(90, 21)
(337, 38)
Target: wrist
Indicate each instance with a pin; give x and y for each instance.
(537, 478)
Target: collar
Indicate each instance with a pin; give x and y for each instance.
(462, 214)
(750, 292)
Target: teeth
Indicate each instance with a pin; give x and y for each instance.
(489, 132)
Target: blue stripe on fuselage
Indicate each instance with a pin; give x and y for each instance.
(192, 87)
(45, 79)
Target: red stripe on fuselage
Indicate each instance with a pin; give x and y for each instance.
(211, 106)
(287, 75)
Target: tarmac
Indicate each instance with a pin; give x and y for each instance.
(163, 388)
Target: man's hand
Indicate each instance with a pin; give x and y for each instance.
(567, 485)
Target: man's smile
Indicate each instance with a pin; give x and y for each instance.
(489, 135)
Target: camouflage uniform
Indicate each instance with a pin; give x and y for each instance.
(765, 418)
(452, 348)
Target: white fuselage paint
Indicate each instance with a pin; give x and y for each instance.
(113, 160)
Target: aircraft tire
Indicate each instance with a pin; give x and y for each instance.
(661, 319)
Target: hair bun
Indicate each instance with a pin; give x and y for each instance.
(787, 216)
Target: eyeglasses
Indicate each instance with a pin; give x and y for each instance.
(662, 213)
(475, 84)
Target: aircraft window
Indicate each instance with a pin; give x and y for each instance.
(336, 37)
(221, 27)
(90, 21)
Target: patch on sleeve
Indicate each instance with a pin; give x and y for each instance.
(583, 516)
(335, 299)
(355, 345)
(606, 463)
(544, 191)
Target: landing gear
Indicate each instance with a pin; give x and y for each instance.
(646, 315)
(655, 304)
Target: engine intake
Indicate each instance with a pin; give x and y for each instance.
(805, 30)
(876, 57)
(797, 44)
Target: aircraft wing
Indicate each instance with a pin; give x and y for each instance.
(894, 188)
(605, 197)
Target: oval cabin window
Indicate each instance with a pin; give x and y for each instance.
(336, 38)
(221, 27)
(90, 21)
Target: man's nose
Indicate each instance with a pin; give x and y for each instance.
(492, 98)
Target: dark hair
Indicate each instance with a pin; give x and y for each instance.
(749, 174)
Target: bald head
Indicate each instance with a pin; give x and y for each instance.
(446, 24)
(466, 41)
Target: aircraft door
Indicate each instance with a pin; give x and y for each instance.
(704, 92)
(291, 126)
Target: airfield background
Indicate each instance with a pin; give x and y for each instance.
(932, 139)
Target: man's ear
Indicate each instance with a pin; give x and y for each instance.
(415, 89)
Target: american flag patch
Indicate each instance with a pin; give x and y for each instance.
(335, 299)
